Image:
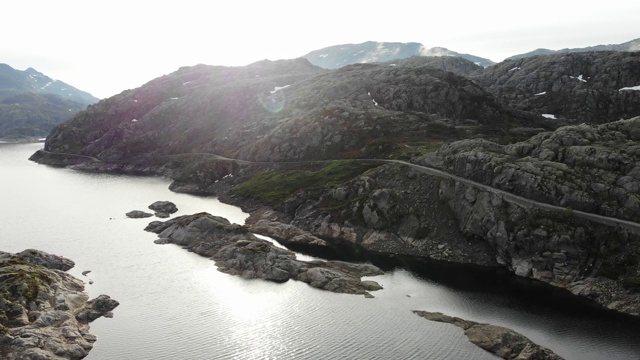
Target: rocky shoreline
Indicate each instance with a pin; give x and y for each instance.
(44, 312)
(498, 340)
(391, 210)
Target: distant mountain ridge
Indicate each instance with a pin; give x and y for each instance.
(337, 56)
(31, 80)
(633, 45)
(31, 103)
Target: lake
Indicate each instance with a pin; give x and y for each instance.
(176, 305)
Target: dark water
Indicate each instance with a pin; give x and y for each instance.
(175, 305)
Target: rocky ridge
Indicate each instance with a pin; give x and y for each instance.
(632, 45)
(501, 341)
(44, 312)
(31, 103)
(337, 56)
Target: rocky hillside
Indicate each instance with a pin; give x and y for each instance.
(594, 87)
(287, 110)
(633, 45)
(501, 189)
(337, 56)
(31, 103)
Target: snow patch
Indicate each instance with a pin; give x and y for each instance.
(514, 69)
(578, 78)
(134, 120)
(549, 116)
(174, 98)
(46, 85)
(636, 88)
(185, 83)
(478, 63)
(372, 99)
(278, 88)
(542, 93)
(323, 55)
(392, 64)
(135, 100)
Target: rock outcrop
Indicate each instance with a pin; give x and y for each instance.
(499, 340)
(575, 88)
(237, 252)
(44, 312)
(589, 168)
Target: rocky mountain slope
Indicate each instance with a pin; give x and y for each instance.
(337, 56)
(286, 122)
(287, 110)
(31, 103)
(633, 45)
(594, 87)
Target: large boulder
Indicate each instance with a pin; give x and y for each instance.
(166, 207)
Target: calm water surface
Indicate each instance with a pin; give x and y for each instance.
(175, 305)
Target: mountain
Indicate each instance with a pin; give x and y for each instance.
(428, 157)
(595, 87)
(633, 45)
(337, 56)
(31, 103)
(286, 110)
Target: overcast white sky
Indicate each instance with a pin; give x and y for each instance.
(105, 47)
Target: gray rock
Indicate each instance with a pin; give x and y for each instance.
(137, 214)
(238, 252)
(499, 340)
(50, 261)
(45, 311)
(164, 207)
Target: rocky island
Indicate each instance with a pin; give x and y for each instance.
(238, 252)
(44, 312)
(505, 343)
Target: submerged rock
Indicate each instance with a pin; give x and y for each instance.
(499, 340)
(238, 252)
(137, 214)
(44, 312)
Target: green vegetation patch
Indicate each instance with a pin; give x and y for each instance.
(272, 187)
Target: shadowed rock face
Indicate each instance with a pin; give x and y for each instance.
(501, 341)
(238, 252)
(576, 88)
(44, 312)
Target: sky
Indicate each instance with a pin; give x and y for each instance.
(106, 47)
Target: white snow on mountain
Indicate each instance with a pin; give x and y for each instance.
(549, 116)
(542, 93)
(578, 78)
(636, 88)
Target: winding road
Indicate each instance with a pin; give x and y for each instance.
(630, 226)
